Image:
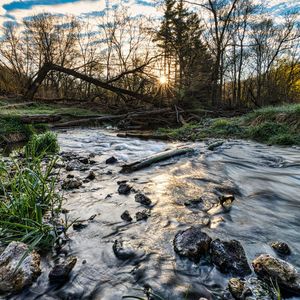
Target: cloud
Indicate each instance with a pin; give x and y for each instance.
(18, 10)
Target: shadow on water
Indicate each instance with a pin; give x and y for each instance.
(265, 181)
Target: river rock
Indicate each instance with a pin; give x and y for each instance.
(226, 200)
(69, 167)
(60, 272)
(18, 267)
(71, 183)
(79, 226)
(192, 243)
(251, 289)
(110, 161)
(84, 160)
(281, 248)
(194, 203)
(68, 155)
(230, 257)
(123, 250)
(286, 275)
(143, 199)
(124, 188)
(215, 145)
(126, 216)
(142, 215)
(91, 175)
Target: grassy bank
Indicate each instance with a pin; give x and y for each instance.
(12, 125)
(29, 203)
(271, 125)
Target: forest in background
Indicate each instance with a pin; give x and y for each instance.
(222, 53)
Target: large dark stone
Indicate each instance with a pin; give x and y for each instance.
(143, 199)
(84, 160)
(230, 257)
(251, 289)
(281, 248)
(124, 189)
(110, 161)
(60, 272)
(71, 183)
(286, 275)
(192, 243)
(91, 175)
(126, 216)
(79, 226)
(142, 215)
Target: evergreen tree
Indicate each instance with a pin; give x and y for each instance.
(185, 54)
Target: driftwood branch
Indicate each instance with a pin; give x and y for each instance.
(144, 163)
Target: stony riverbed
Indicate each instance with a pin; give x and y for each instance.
(125, 224)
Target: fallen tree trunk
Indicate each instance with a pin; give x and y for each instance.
(47, 67)
(88, 121)
(133, 115)
(144, 163)
(40, 119)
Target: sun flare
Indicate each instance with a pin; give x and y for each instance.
(163, 80)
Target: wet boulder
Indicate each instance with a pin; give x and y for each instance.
(286, 275)
(19, 267)
(226, 200)
(71, 183)
(110, 161)
(78, 226)
(281, 248)
(124, 188)
(61, 271)
(192, 243)
(124, 250)
(70, 167)
(230, 257)
(215, 145)
(67, 156)
(251, 289)
(76, 165)
(142, 215)
(126, 216)
(91, 175)
(143, 199)
(83, 160)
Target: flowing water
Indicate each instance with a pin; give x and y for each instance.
(265, 181)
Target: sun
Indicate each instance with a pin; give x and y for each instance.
(163, 80)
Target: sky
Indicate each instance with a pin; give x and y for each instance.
(17, 10)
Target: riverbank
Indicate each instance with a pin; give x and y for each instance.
(270, 125)
(19, 120)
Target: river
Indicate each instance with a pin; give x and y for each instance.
(264, 180)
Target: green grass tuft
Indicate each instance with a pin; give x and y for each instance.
(42, 145)
(28, 202)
